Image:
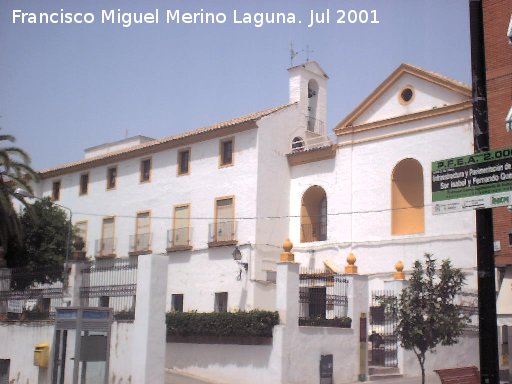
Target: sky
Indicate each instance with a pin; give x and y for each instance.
(67, 87)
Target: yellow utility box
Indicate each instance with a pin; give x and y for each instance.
(41, 355)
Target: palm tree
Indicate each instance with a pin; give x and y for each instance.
(15, 172)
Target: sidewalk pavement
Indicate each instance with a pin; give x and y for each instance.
(173, 377)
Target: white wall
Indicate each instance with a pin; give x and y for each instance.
(463, 354)
(19, 339)
(358, 187)
(295, 352)
(121, 349)
(18, 342)
(205, 182)
(251, 364)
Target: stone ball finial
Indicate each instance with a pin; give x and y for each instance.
(287, 255)
(399, 267)
(351, 268)
(287, 245)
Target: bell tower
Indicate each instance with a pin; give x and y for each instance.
(308, 87)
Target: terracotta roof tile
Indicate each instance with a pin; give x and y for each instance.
(154, 144)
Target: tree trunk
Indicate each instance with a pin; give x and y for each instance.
(421, 360)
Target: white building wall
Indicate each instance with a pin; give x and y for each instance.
(19, 340)
(165, 190)
(18, 344)
(211, 269)
(272, 201)
(358, 188)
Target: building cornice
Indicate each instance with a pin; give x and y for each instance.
(407, 132)
(465, 105)
(311, 155)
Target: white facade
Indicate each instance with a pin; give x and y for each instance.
(266, 183)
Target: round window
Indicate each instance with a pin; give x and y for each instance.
(406, 95)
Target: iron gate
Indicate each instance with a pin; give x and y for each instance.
(383, 350)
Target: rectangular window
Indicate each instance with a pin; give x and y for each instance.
(181, 233)
(221, 302)
(111, 177)
(56, 190)
(224, 225)
(81, 231)
(84, 183)
(145, 170)
(177, 302)
(184, 162)
(104, 302)
(226, 152)
(142, 232)
(107, 237)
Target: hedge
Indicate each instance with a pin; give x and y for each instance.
(253, 323)
(339, 322)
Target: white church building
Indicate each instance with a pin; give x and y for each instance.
(249, 183)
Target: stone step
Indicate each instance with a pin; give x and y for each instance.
(377, 373)
(378, 370)
(390, 376)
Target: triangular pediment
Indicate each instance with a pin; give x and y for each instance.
(407, 91)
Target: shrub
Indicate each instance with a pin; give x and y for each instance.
(253, 323)
(339, 322)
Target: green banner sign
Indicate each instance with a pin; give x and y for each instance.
(459, 180)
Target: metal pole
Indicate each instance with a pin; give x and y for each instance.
(489, 368)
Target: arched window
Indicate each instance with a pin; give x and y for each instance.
(312, 104)
(297, 144)
(407, 200)
(313, 217)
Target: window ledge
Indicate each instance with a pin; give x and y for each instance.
(106, 256)
(214, 244)
(177, 248)
(142, 252)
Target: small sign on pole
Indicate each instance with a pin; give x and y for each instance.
(482, 180)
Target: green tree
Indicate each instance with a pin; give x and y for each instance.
(15, 172)
(44, 247)
(427, 312)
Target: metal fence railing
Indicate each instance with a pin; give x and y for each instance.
(105, 247)
(111, 283)
(313, 232)
(315, 125)
(140, 243)
(30, 294)
(323, 298)
(222, 231)
(179, 237)
(383, 340)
